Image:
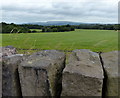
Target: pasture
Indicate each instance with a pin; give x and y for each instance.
(95, 40)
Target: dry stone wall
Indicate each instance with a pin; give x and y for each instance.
(53, 74)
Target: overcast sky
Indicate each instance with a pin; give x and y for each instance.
(89, 11)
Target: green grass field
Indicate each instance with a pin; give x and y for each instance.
(95, 40)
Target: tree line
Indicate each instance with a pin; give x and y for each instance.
(62, 28)
(13, 28)
(99, 26)
(72, 27)
(26, 28)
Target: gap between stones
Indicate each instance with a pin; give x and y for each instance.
(104, 88)
(64, 63)
(19, 85)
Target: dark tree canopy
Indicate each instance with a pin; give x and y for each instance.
(13, 28)
(58, 28)
(25, 28)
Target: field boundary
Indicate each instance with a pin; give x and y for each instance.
(45, 49)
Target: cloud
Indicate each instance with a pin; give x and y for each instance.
(22, 11)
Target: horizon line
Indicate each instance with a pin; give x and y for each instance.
(58, 21)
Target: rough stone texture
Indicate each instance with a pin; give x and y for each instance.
(110, 63)
(83, 75)
(0, 75)
(40, 74)
(10, 76)
(0, 79)
(7, 51)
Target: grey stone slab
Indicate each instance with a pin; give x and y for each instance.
(83, 74)
(41, 73)
(110, 63)
(10, 76)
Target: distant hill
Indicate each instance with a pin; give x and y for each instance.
(49, 23)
